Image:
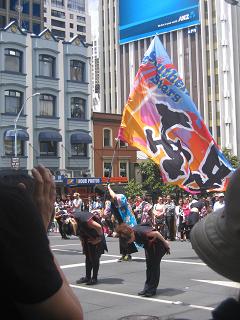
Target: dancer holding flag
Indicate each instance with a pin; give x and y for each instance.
(161, 120)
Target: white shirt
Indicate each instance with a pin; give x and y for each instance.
(218, 205)
(77, 205)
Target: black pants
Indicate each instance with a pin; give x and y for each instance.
(60, 228)
(131, 248)
(92, 260)
(170, 221)
(154, 254)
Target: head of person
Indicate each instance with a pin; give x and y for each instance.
(76, 195)
(168, 198)
(221, 197)
(160, 199)
(125, 233)
(216, 238)
(17, 178)
(180, 202)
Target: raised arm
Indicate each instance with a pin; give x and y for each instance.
(111, 192)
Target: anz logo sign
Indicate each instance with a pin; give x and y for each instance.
(185, 17)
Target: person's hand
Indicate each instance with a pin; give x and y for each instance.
(44, 193)
(167, 247)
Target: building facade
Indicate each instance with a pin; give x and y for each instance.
(49, 81)
(111, 157)
(68, 18)
(206, 56)
(28, 14)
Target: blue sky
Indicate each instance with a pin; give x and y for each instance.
(93, 10)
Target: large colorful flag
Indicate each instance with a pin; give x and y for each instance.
(161, 119)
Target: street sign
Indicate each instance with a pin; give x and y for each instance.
(15, 163)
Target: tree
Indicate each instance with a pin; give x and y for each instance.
(133, 189)
(153, 182)
(231, 158)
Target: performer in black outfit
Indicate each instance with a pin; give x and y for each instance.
(94, 244)
(155, 248)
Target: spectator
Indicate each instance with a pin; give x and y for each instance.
(34, 285)
(216, 239)
(220, 203)
(77, 203)
(170, 217)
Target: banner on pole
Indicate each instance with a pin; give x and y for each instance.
(161, 119)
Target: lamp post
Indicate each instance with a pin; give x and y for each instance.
(16, 120)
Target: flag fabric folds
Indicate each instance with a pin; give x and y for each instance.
(161, 120)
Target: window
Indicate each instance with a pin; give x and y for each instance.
(71, 25)
(58, 33)
(78, 106)
(81, 19)
(3, 4)
(59, 14)
(46, 66)
(57, 23)
(25, 24)
(13, 101)
(107, 137)
(36, 8)
(77, 70)
(48, 148)
(81, 28)
(13, 4)
(71, 16)
(71, 35)
(13, 60)
(25, 6)
(79, 149)
(123, 144)
(2, 21)
(36, 28)
(47, 105)
(107, 169)
(9, 146)
(123, 169)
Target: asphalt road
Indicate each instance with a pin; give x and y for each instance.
(188, 289)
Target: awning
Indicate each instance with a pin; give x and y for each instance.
(50, 136)
(81, 137)
(21, 135)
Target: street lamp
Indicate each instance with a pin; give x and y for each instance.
(16, 120)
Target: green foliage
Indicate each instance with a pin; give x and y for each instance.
(231, 158)
(133, 189)
(153, 182)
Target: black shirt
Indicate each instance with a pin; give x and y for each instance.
(28, 272)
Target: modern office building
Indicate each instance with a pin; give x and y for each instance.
(28, 14)
(206, 54)
(48, 80)
(67, 18)
(95, 75)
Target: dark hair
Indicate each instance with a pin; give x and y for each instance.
(11, 178)
(124, 232)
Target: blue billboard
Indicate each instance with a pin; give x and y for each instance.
(144, 18)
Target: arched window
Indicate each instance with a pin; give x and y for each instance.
(78, 106)
(47, 105)
(46, 66)
(13, 101)
(77, 70)
(13, 60)
(107, 137)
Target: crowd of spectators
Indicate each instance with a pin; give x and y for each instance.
(173, 218)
